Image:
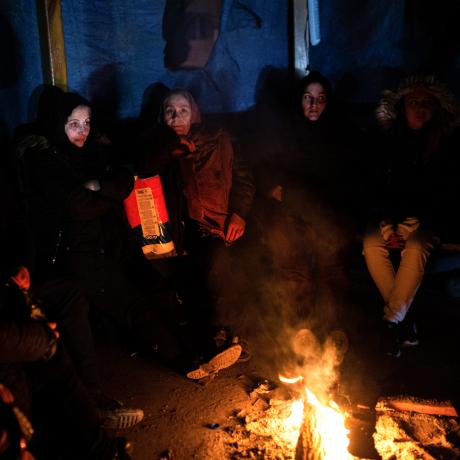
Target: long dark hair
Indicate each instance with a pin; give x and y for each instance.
(314, 77)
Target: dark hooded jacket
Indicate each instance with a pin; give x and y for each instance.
(416, 171)
(207, 185)
(322, 158)
(66, 217)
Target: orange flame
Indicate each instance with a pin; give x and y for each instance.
(330, 428)
(328, 424)
(290, 380)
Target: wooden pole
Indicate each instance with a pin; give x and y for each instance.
(52, 47)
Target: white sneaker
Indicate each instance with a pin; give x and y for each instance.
(120, 419)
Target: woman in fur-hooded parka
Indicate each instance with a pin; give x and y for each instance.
(414, 195)
(415, 157)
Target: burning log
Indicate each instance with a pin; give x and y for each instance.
(309, 445)
(416, 429)
(268, 430)
(323, 435)
(406, 404)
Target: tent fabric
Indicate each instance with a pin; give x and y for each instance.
(115, 51)
(20, 71)
(369, 46)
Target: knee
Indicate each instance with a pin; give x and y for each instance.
(419, 243)
(373, 240)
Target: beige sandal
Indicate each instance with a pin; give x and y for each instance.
(221, 361)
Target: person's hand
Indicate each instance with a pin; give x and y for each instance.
(92, 185)
(235, 228)
(5, 394)
(53, 327)
(22, 278)
(407, 226)
(277, 193)
(386, 230)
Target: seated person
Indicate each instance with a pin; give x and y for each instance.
(208, 190)
(318, 158)
(63, 303)
(35, 366)
(74, 195)
(412, 199)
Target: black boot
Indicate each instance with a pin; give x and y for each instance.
(390, 341)
(409, 333)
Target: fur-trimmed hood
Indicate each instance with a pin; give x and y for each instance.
(387, 110)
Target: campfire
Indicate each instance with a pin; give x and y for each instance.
(296, 418)
(321, 433)
(300, 422)
(286, 427)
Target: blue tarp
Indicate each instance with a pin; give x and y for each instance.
(114, 51)
(368, 46)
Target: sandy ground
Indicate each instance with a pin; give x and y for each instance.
(180, 414)
(187, 420)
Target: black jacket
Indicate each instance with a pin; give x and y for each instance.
(410, 181)
(65, 215)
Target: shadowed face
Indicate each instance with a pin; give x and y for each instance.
(178, 114)
(314, 101)
(418, 108)
(77, 126)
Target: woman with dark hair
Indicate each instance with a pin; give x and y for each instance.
(316, 92)
(75, 192)
(324, 155)
(319, 159)
(413, 199)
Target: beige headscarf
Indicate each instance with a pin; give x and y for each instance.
(196, 114)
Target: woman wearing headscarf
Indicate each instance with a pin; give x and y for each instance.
(216, 183)
(319, 159)
(75, 194)
(324, 157)
(415, 193)
(208, 188)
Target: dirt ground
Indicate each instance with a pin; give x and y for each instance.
(183, 419)
(187, 420)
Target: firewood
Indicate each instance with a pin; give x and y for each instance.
(421, 406)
